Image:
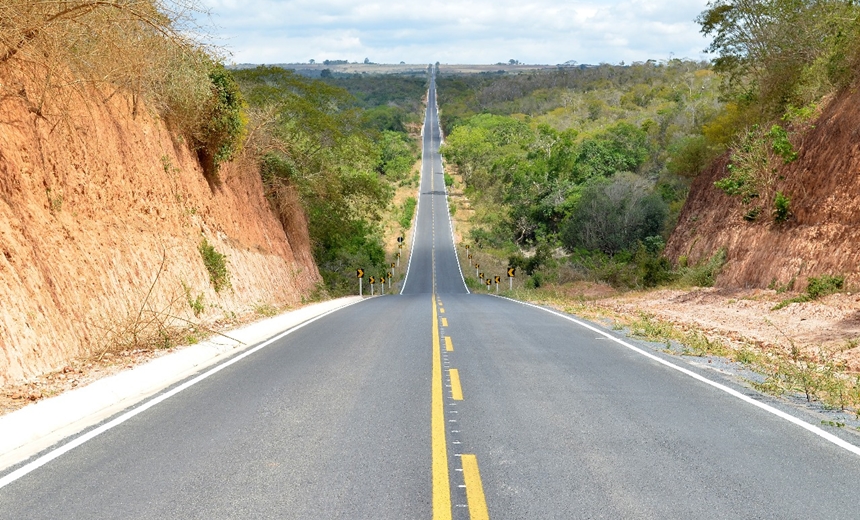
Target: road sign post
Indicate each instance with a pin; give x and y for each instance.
(360, 274)
(497, 279)
(477, 266)
(511, 272)
(372, 281)
(382, 285)
(489, 282)
(389, 279)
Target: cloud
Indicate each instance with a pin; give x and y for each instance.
(468, 31)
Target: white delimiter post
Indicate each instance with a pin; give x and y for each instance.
(511, 279)
(360, 286)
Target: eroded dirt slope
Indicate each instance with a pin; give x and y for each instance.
(821, 237)
(92, 204)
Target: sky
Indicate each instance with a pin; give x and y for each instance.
(456, 31)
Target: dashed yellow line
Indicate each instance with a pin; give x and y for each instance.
(444, 322)
(474, 489)
(456, 389)
(439, 448)
(441, 310)
(449, 345)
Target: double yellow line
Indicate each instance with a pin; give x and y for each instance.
(441, 477)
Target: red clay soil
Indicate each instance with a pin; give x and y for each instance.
(821, 237)
(92, 203)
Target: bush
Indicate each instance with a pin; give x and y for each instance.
(781, 207)
(704, 274)
(222, 129)
(216, 265)
(824, 285)
(407, 212)
(612, 216)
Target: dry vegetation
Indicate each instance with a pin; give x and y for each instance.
(61, 55)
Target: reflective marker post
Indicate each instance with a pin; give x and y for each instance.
(511, 272)
(360, 274)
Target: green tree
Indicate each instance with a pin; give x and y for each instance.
(613, 216)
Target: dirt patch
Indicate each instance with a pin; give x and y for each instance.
(743, 317)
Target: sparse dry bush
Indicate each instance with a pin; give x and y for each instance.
(109, 45)
(57, 55)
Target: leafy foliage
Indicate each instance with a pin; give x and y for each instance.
(753, 172)
(774, 54)
(216, 266)
(614, 216)
(313, 137)
(222, 130)
(594, 159)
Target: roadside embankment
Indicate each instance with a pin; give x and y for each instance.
(102, 217)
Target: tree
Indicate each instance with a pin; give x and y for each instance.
(613, 216)
(766, 49)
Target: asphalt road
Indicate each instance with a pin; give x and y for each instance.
(444, 404)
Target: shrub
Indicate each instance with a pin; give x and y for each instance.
(824, 285)
(612, 216)
(221, 132)
(704, 274)
(815, 288)
(216, 265)
(408, 211)
(781, 207)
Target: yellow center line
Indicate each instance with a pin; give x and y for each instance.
(474, 488)
(441, 310)
(449, 345)
(439, 448)
(444, 322)
(456, 389)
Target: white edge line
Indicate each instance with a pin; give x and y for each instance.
(451, 224)
(418, 205)
(48, 457)
(734, 393)
(447, 208)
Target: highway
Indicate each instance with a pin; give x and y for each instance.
(437, 403)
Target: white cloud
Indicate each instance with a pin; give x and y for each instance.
(450, 31)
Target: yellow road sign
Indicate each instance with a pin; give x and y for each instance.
(372, 280)
(360, 273)
(497, 279)
(511, 271)
(482, 277)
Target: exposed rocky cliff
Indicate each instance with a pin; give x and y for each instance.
(93, 202)
(822, 236)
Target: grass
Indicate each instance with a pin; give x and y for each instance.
(816, 288)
